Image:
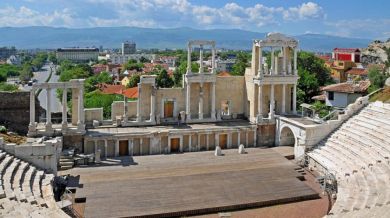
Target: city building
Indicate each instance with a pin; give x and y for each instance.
(120, 58)
(6, 52)
(346, 54)
(226, 65)
(338, 69)
(77, 54)
(128, 48)
(14, 60)
(342, 94)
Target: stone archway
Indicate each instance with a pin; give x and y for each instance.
(287, 137)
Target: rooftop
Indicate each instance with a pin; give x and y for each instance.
(349, 50)
(361, 86)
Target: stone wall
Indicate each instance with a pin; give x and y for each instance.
(15, 111)
(266, 134)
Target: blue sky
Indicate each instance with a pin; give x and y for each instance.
(350, 18)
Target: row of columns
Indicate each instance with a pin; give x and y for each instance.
(200, 112)
(272, 100)
(48, 123)
(139, 101)
(213, 67)
(284, 71)
(131, 143)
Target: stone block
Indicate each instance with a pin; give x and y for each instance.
(218, 151)
(95, 123)
(241, 149)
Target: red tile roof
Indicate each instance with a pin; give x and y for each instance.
(379, 66)
(350, 50)
(319, 97)
(358, 71)
(323, 57)
(224, 74)
(361, 86)
(130, 92)
(111, 89)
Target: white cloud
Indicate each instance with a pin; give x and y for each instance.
(311, 32)
(306, 11)
(364, 28)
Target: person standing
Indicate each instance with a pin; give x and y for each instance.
(179, 120)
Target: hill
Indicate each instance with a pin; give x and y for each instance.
(112, 37)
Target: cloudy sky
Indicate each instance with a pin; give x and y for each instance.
(351, 18)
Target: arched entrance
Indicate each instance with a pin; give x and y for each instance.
(287, 137)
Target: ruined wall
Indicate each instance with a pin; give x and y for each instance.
(15, 111)
(233, 89)
(266, 134)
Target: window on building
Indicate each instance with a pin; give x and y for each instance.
(225, 107)
(331, 96)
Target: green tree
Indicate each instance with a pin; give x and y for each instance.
(307, 86)
(65, 65)
(144, 60)
(98, 100)
(3, 77)
(177, 78)
(52, 57)
(377, 78)
(89, 84)
(26, 73)
(314, 65)
(133, 81)
(242, 63)
(86, 68)
(10, 70)
(163, 80)
(8, 87)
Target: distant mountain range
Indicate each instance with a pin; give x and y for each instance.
(112, 37)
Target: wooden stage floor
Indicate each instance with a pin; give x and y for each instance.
(189, 183)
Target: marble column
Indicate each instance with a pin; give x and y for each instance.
(260, 101)
(229, 140)
(48, 109)
(246, 139)
(150, 146)
(189, 143)
(105, 148)
(140, 146)
(214, 68)
(64, 110)
(131, 146)
(213, 100)
(216, 140)
(201, 59)
(95, 145)
(272, 60)
(207, 141)
(80, 123)
(260, 72)
(32, 110)
(139, 115)
(159, 143)
(295, 99)
(255, 138)
(284, 99)
(272, 101)
(116, 147)
(188, 102)
(152, 105)
(125, 116)
(200, 101)
(295, 60)
(284, 60)
(189, 60)
(198, 145)
(238, 138)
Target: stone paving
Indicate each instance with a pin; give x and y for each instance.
(187, 183)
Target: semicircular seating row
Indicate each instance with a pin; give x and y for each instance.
(26, 191)
(358, 153)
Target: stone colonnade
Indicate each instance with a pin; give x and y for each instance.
(77, 84)
(162, 149)
(199, 80)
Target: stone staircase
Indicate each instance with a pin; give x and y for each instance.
(66, 159)
(25, 190)
(358, 153)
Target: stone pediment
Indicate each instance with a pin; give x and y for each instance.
(277, 39)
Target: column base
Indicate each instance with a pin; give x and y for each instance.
(200, 116)
(125, 118)
(213, 115)
(152, 118)
(271, 116)
(259, 118)
(32, 127)
(64, 126)
(48, 127)
(80, 126)
(139, 118)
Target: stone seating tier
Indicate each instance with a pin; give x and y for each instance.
(358, 152)
(26, 191)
